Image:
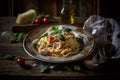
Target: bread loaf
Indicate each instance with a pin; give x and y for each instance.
(26, 17)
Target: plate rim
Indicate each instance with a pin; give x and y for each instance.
(47, 26)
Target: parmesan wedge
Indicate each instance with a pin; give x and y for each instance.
(26, 17)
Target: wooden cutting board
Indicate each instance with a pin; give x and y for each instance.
(28, 27)
(24, 28)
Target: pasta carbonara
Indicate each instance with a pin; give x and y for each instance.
(58, 41)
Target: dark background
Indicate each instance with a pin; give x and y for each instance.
(110, 8)
(107, 8)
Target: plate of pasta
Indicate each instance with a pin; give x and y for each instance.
(58, 43)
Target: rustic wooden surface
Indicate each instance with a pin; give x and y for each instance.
(10, 70)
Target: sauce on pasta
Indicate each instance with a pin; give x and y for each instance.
(58, 41)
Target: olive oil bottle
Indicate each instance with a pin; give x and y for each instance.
(67, 12)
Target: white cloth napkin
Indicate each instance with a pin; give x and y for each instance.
(98, 25)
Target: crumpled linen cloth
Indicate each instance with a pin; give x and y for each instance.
(99, 26)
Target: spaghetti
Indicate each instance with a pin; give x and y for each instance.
(59, 41)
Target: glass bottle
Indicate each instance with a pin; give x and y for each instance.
(67, 12)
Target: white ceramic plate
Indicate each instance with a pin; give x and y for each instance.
(34, 34)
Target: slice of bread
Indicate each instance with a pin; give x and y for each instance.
(26, 17)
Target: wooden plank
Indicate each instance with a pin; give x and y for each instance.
(48, 7)
(14, 52)
(13, 49)
(98, 7)
(14, 69)
(6, 23)
(31, 4)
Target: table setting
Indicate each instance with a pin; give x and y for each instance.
(100, 51)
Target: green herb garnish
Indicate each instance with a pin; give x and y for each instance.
(43, 68)
(67, 29)
(60, 36)
(11, 57)
(77, 67)
(81, 43)
(36, 46)
(33, 20)
(17, 37)
(44, 34)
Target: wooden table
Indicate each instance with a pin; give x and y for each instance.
(10, 70)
